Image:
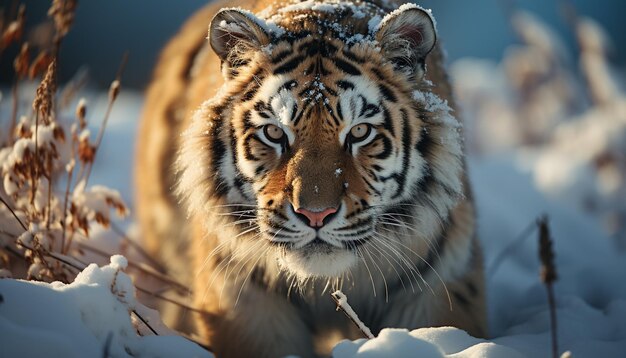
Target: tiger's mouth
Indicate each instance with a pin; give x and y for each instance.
(318, 259)
(329, 251)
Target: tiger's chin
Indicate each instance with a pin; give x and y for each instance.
(318, 261)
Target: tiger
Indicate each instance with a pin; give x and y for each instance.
(305, 147)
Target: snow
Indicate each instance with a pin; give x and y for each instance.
(432, 102)
(80, 319)
(399, 10)
(268, 26)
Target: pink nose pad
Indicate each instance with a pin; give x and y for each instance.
(316, 218)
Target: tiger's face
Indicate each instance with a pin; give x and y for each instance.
(332, 140)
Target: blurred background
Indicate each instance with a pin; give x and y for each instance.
(103, 30)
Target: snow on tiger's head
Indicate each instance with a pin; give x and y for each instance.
(326, 125)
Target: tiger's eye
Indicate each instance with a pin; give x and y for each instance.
(273, 133)
(360, 131)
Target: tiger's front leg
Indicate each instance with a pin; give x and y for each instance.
(258, 326)
(243, 322)
(460, 303)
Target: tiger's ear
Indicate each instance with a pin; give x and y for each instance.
(233, 31)
(406, 37)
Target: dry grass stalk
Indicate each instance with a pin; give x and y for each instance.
(153, 262)
(40, 64)
(14, 31)
(33, 159)
(62, 13)
(43, 103)
(342, 305)
(548, 276)
(114, 91)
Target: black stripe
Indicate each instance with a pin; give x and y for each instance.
(387, 93)
(388, 121)
(322, 69)
(240, 62)
(278, 214)
(218, 151)
(289, 66)
(288, 85)
(247, 148)
(363, 105)
(330, 91)
(237, 181)
(300, 115)
(356, 233)
(280, 56)
(353, 244)
(259, 170)
(345, 85)
(352, 57)
(335, 119)
(378, 74)
(247, 124)
(425, 145)
(294, 111)
(387, 147)
(250, 93)
(369, 185)
(338, 110)
(346, 67)
(261, 107)
(406, 147)
(356, 225)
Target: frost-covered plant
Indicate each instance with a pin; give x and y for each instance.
(572, 120)
(45, 163)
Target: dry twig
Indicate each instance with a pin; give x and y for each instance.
(342, 305)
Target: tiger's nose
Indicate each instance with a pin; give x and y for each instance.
(316, 218)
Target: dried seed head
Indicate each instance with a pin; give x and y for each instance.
(86, 151)
(62, 12)
(14, 31)
(114, 90)
(58, 133)
(546, 254)
(22, 130)
(21, 61)
(81, 113)
(45, 93)
(40, 64)
(102, 219)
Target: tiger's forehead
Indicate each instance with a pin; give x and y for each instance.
(281, 94)
(351, 21)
